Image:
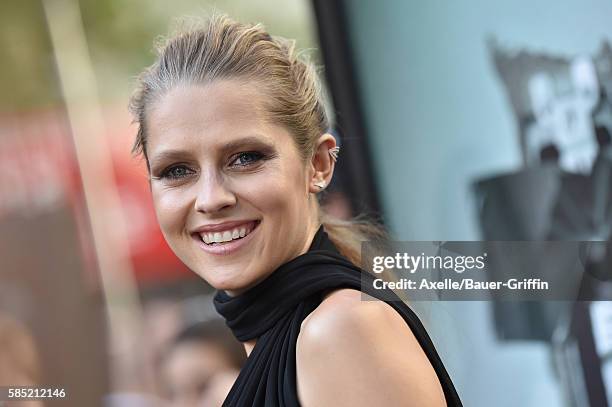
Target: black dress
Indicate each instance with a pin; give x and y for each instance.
(273, 310)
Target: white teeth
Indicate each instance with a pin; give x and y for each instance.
(226, 235)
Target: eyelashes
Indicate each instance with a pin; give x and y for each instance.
(175, 172)
(247, 158)
(242, 161)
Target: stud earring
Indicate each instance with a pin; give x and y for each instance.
(333, 152)
(320, 184)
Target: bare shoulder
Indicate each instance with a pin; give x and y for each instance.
(352, 352)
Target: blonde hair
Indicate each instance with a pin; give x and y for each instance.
(226, 49)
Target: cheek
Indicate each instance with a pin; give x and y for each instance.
(170, 206)
(275, 193)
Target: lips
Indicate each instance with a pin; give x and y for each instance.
(227, 234)
(225, 238)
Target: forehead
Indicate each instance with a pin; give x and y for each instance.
(213, 113)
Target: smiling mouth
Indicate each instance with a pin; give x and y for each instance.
(226, 236)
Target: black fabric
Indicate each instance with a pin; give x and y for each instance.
(272, 313)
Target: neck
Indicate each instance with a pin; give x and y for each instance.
(249, 345)
(312, 227)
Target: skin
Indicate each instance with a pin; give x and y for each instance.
(197, 374)
(214, 183)
(219, 184)
(365, 349)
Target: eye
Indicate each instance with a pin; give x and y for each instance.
(246, 158)
(176, 172)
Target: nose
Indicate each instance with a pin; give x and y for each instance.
(213, 194)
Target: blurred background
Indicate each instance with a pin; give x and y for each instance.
(457, 120)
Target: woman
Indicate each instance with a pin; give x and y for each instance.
(199, 367)
(233, 130)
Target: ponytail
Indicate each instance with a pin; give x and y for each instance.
(347, 235)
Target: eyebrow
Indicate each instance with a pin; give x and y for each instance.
(254, 140)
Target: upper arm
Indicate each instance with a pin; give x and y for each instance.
(362, 353)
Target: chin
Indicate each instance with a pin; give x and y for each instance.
(232, 281)
(226, 286)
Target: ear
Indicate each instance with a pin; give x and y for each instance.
(322, 165)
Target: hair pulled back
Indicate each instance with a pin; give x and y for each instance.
(225, 49)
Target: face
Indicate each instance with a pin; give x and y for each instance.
(231, 193)
(196, 372)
